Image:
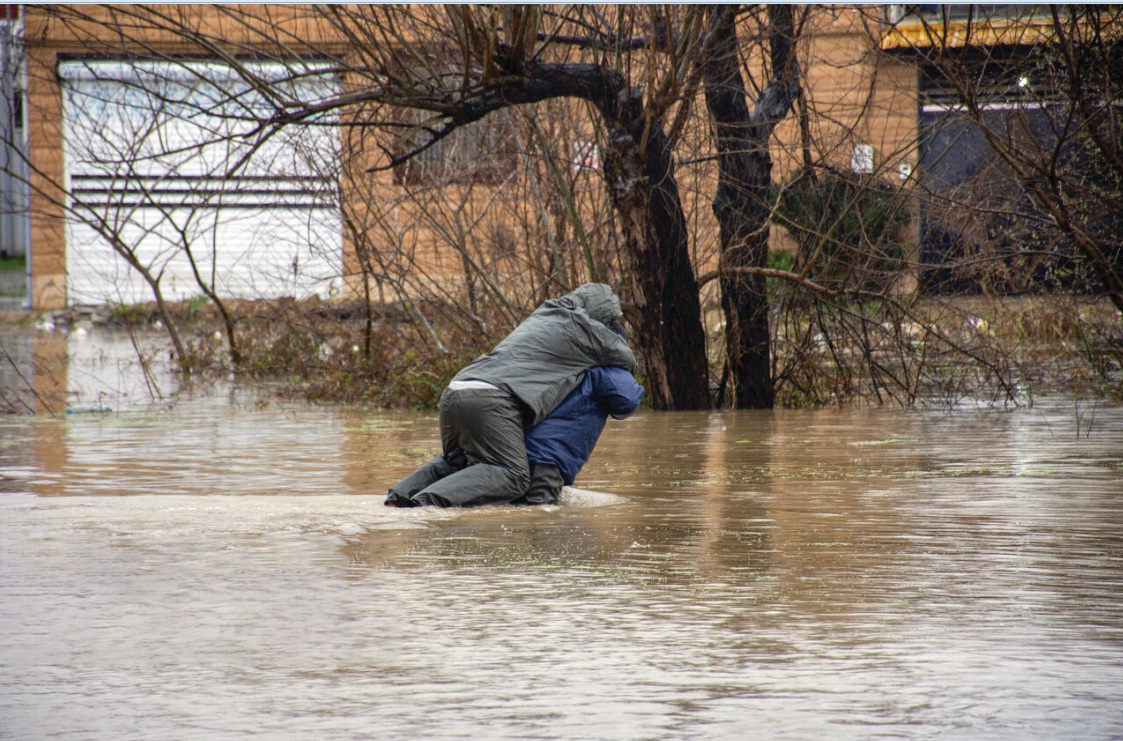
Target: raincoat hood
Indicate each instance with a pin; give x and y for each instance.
(597, 299)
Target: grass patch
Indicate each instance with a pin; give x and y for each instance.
(11, 264)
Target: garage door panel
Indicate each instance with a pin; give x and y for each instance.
(249, 256)
(150, 153)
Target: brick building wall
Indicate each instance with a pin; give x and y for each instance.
(857, 100)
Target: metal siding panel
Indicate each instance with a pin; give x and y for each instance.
(255, 256)
(255, 250)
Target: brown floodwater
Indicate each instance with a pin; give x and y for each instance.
(220, 567)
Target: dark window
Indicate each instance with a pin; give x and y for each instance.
(979, 230)
(482, 152)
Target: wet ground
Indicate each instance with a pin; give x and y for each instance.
(221, 566)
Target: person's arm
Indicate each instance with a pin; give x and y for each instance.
(606, 347)
(617, 391)
(619, 355)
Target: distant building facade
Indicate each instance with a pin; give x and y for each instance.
(108, 193)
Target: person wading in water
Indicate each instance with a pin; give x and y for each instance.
(491, 403)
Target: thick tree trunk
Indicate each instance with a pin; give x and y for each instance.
(640, 178)
(671, 339)
(741, 200)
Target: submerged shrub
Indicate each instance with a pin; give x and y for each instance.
(846, 226)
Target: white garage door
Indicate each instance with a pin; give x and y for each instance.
(166, 162)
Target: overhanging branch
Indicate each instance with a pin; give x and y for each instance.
(770, 273)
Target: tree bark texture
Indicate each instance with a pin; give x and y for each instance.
(642, 186)
(741, 199)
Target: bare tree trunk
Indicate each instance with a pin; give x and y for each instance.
(741, 200)
(641, 182)
(166, 316)
(207, 287)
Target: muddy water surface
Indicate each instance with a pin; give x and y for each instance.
(219, 569)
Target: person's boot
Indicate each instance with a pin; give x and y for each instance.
(396, 500)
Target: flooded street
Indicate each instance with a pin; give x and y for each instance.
(224, 568)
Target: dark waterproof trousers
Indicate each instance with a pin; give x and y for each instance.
(483, 459)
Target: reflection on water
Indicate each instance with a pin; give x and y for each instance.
(56, 369)
(223, 568)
